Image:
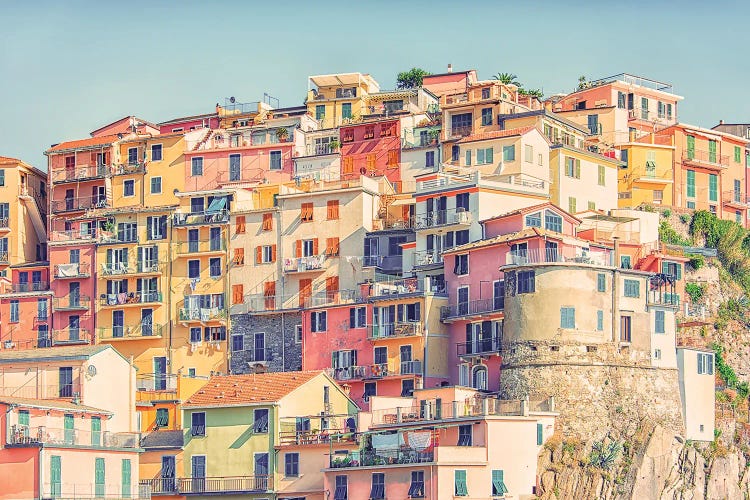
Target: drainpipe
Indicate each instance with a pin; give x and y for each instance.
(282, 279)
(425, 329)
(228, 332)
(169, 294)
(615, 294)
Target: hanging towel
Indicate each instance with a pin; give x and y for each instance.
(419, 440)
(205, 314)
(122, 298)
(194, 283)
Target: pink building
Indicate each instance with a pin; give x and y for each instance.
(372, 148)
(25, 308)
(476, 285)
(443, 443)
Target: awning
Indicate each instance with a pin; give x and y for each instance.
(404, 201)
(217, 205)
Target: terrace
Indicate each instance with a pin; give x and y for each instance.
(80, 173)
(136, 332)
(26, 436)
(72, 270)
(394, 368)
(472, 308)
(210, 485)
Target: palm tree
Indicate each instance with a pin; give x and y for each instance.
(508, 79)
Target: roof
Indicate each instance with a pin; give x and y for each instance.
(532, 208)
(163, 439)
(136, 121)
(8, 159)
(498, 134)
(188, 118)
(51, 404)
(551, 116)
(55, 353)
(342, 79)
(707, 131)
(84, 143)
(528, 232)
(245, 390)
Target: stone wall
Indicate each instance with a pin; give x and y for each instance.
(283, 353)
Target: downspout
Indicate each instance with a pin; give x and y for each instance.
(282, 279)
(425, 331)
(169, 295)
(227, 333)
(615, 294)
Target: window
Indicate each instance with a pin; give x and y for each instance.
(14, 311)
(298, 334)
(99, 477)
(393, 157)
(534, 220)
(2, 177)
(132, 156)
(705, 364)
(332, 209)
(41, 309)
(260, 421)
(346, 110)
(320, 111)
(485, 156)
(498, 483)
(486, 93)
(291, 464)
(625, 262)
(461, 124)
(660, 109)
(377, 489)
(275, 160)
(156, 152)
(669, 111)
(239, 257)
(129, 188)
(459, 483)
(407, 388)
(196, 166)
(601, 282)
(235, 167)
(572, 205)
(525, 282)
(657, 353)
(238, 342)
(455, 151)
(509, 153)
(461, 264)
(621, 100)
(195, 334)
(602, 175)
(318, 321)
(194, 269)
(306, 214)
(55, 476)
(626, 323)
(369, 132)
(691, 184)
(552, 221)
(632, 288)
(237, 294)
(599, 321)
(644, 108)
(737, 154)
(357, 317)
(464, 435)
(467, 154)
(198, 424)
(659, 322)
(486, 116)
(214, 267)
(342, 490)
(162, 417)
(567, 317)
(572, 167)
(713, 183)
(429, 159)
(416, 488)
(156, 185)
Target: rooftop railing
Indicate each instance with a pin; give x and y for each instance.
(429, 411)
(536, 256)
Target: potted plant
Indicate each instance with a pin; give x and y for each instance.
(282, 133)
(334, 144)
(434, 134)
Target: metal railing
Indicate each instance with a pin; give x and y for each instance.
(472, 307)
(383, 458)
(69, 336)
(199, 246)
(735, 197)
(130, 332)
(537, 256)
(378, 370)
(22, 435)
(34, 391)
(389, 288)
(73, 235)
(4, 223)
(72, 270)
(124, 268)
(388, 330)
(312, 437)
(436, 410)
(479, 346)
(304, 264)
(155, 382)
(696, 155)
(119, 299)
(190, 219)
(71, 303)
(259, 302)
(113, 238)
(84, 203)
(34, 286)
(228, 484)
(459, 131)
(333, 298)
(80, 173)
(129, 168)
(202, 314)
(427, 257)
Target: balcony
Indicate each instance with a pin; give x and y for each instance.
(132, 298)
(34, 391)
(4, 258)
(112, 238)
(156, 387)
(25, 436)
(312, 263)
(72, 270)
(472, 308)
(442, 219)
(36, 286)
(392, 330)
(80, 173)
(374, 458)
(202, 315)
(426, 258)
(393, 368)
(706, 159)
(333, 298)
(391, 223)
(735, 199)
(127, 268)
(71, 303)
(201, 246)
(209, 485)
(456, 132)
(77, 204)
(395, 288)
(431, 411)
(81, 235)
(479, 346)
(143, 330)
(129, 169)
(200, 218)
(68, 336)
(550, 256)
(4, 224)
(297, 431)
(261, 303)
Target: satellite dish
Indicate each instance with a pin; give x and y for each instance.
(91, 370)
(232, 100)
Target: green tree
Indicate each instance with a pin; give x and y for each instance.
(411, 79)
(508, 79)
(532, 92)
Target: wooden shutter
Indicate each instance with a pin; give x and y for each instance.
(371, 161)
(126, 478)
(240, 224)
(332, 284)
(239, 256)
(332, 246)
(392, 157)
(237, 293)
(273, 253)
(333, 209)
(305, 290)
(348, 165)
(258, 254)
(267, 222)
(269, 288)
(298, 248)
(315, 246)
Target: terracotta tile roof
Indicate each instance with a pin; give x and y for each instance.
(532, 208)
(8, 159)
(68, 352)
(52, 404)
(498, 134)
(528, 232)
(242, 390)
(84, 143)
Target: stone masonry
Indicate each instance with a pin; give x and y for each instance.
(283, 353)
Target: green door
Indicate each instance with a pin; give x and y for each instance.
(346, 110)
(55, 476)
(68, 428)
(690, 147)
(96, 431)
(712, 151)
(99, 477)
(125, 478)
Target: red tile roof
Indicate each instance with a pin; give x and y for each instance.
(52, 404)
(84, 143)
(8, 159)
(498, 134)
(242, 390)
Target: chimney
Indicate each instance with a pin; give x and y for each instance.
(616, 240)
(450, 68)
(721, 122)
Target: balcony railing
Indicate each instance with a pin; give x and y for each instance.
(200, 246)
(163, 384)
(431, 411)
(460, 131)
(72, 270)
(124, 268)
(35, 286)
(203, 315)
(80, 173)
(333, 298)
(113, 238)
(22, 435)
(84, 203)
(130, 332)
(389, 330)
(372, 458)
(191, 219)
(536, 256)
(736, 198)
(305, 264)
(74, 235)
(392, 223)
(440, 218)
(119, 299)
(260, 303)
(479, 346)
(472, 308)
(427, 258)
(389, 288)
(207, 485)
(376, 371)
(71, 303)
(67, 336)
(129, 168)
(705, 157)
(4, 258)
(4, 223)
(34, 391)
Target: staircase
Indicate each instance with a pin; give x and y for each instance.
(28, 200)
(203, 141)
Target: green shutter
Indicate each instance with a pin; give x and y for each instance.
(99, 477)
(712, 151)
(679, 271)
(488, 155)
(480, 156)
(498, 483)
(599, 320)
(539, 434)
(713, 184)
(23, 418)
(96, 431)
(460, 483)
(125, 478)
(68, 428)
(690, 147)
(55, 476)
(468, 157)
(737, 155)
(691, 183)
(578, 169)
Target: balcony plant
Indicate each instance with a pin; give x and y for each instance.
(433, 135)
(334, 145)
(282, 133)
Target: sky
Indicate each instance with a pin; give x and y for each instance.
(67, 68)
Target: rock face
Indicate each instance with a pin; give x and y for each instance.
(662, 467)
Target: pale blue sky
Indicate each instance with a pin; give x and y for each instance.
(67, 68)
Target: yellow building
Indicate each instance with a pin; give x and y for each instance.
(338, 99)
(647, 177)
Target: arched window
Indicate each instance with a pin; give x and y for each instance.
(479, 378)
